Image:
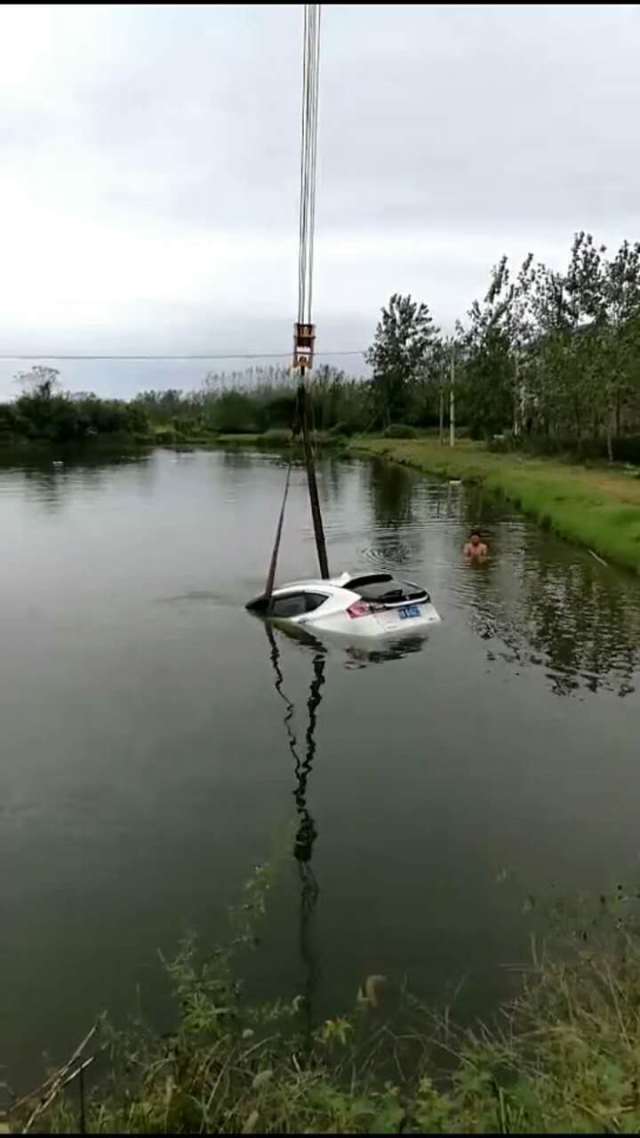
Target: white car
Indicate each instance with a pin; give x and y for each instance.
(367, 605)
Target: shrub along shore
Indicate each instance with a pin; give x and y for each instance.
(561, 1057)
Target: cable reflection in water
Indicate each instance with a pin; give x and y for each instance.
(306, 832)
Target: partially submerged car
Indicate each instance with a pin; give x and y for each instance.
(366, 605)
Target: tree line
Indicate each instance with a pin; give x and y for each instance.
(258, 400)
(255, 401)
(43, 412)
(547, 359)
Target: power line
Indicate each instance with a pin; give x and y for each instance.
(213, 356)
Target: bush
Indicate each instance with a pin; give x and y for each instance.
(503, 443)
(342, 429)
(562, 1056)
(400, 431)
(276, 437)
(137, 420)
(7, 417)
(279, 411)
(234, 413)
(627, 449)
(184, 427)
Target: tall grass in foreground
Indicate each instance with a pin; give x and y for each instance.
(564, 1056)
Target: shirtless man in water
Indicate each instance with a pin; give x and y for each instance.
(475, 547)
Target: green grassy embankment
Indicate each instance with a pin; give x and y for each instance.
(167, 436)
(595, 506)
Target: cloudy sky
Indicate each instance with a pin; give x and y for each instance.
(149, 189)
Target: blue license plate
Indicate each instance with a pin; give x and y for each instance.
(409, 611)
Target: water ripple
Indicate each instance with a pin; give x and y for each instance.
(538, 602)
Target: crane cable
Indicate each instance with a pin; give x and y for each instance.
(308, 156)
(308, 161)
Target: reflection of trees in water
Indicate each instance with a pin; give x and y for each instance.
(580, 624)
(584, 624)
(332, 480)
(145, 473)
(398, 538)
(239, 458)
(392, 490)
(480, 508)
(243, 457)
(49, 486)
(306, 832)
(52, 485)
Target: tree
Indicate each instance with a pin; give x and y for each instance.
(574, 339)
(621, 295)
(551, 367)
(521, 336)
(39, 406)
(399, 354)
(489, 365)
(40, 381)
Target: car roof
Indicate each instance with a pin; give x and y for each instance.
(343, 581)
(316, 585)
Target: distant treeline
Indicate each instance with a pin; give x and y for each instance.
(262, 399)
(43, 413)
(251, 402)
(552, 358)
(547, 359)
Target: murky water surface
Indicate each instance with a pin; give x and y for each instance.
(146, 766)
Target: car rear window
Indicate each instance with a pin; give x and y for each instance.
(385, 589)
(368, 579)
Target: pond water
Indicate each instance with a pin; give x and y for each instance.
(146, 766)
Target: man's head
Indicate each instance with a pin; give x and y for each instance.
(475, 538)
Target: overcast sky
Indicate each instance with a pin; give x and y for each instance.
(149, 188)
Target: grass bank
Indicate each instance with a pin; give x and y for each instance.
(276, 438)
(562, 1057)
(596, 506)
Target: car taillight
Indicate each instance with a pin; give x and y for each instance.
(359, 608)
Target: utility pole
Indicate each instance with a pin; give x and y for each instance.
(452, 396)
(517, 402)
(441, 413)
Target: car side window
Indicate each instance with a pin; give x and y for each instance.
(292, 605)
(295, 604)
(314, 600)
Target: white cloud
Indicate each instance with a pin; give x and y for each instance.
(150, 162)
